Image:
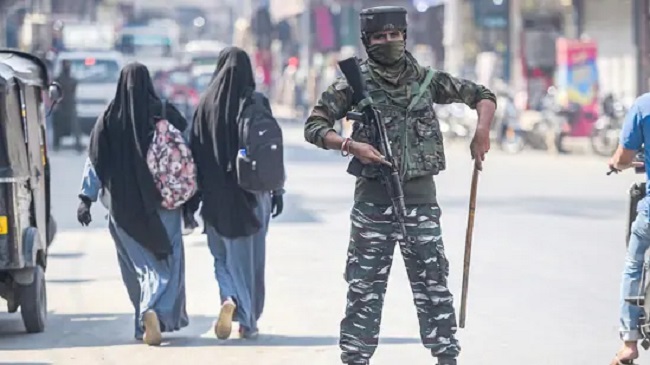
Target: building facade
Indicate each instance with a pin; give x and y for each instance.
(617, 27)
(611, 24)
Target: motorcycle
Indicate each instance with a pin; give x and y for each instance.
(457, 122)
(559, 120)
(604, 137)
(542, 122)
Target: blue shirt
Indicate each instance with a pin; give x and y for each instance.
(636, 133)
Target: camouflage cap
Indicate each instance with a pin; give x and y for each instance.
(382, 18)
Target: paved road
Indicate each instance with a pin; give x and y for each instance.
(546, 264)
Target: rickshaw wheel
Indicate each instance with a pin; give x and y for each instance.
(33, 302)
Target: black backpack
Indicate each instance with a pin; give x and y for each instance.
(260, 161)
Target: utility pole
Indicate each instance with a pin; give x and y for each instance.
(305, 25)
(4, 4)
(6, 11)
(45, 27)
(642, 10)
(8, 8)
(516, 75)
(248, 9)
(453, 37)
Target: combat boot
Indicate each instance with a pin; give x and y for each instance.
(447, 361)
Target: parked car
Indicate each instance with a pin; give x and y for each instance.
(97, 74)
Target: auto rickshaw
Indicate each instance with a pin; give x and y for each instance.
(26, 225)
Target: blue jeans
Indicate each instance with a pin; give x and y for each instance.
(632, 277)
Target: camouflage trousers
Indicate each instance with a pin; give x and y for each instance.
(370, 256)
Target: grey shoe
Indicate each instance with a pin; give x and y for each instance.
(247, 334)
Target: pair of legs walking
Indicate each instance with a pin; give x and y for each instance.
(58, 133)
(370, 256)
(239, 266)
(156, 288)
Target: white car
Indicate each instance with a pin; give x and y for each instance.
(198, 71)
(202, 54)
(155, 46)
(97, 74)
(202, 45)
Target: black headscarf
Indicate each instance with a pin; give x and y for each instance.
(215, 143)
(118, 151)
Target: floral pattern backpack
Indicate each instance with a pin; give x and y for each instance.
(170, 161)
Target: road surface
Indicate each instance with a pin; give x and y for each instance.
(547, 257)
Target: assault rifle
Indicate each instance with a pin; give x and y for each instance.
(371, 119)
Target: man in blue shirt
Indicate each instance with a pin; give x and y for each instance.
(634, 135)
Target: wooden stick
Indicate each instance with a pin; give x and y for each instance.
(468, 247)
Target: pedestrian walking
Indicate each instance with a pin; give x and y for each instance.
(236, 219)
(126, 165)
(404, 92)
(65, 114)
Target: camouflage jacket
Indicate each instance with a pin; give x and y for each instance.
(413, 129)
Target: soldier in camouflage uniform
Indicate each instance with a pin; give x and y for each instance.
(404, 92)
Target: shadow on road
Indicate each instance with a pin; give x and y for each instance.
(65, 256)
(272, 340)
(69, 281)
(104, 330)
(82, 330)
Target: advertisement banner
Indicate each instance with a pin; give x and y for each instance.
(577, 81)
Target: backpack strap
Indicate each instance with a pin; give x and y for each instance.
(422, 88)
(260, 99)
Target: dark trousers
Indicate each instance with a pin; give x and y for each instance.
(370, 256)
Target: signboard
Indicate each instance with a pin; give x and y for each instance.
(577, 80)
(491, 13)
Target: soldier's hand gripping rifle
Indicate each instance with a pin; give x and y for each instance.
(371, 119)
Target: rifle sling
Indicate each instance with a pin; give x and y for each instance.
(423, 87)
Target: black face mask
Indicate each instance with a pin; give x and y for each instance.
(387, 54)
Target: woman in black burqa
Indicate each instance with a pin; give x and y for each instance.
(236, 220)
(147, 237)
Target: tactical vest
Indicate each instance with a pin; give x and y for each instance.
(413, 130)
